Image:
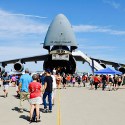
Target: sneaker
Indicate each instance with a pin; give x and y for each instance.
(50, 111)
(45, 110)
(21, 110)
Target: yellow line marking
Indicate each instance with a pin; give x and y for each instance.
(58, 109)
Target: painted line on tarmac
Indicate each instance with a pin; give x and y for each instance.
(58, 109)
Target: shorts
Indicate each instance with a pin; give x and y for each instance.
(37, 100)
(24, 96)
(5, 87)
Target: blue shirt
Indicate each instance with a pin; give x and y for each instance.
(4, 80)
(25, 81)
(42, 78)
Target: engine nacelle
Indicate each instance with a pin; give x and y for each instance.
(103, 65)
(121, 69)
(2, 70)
(18, 67)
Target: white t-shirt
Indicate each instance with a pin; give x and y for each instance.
(54, 71)
(54, 81)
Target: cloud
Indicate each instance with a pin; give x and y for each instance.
(97, 29)
(8, 53)
(15, 25)
(25, 15)
(21, 27)
(112, 3)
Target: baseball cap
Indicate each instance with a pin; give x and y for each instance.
(48, 70)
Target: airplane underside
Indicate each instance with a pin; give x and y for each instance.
(62, 66)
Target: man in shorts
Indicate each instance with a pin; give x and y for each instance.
(24, 81)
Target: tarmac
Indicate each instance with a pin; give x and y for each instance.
(73, 106)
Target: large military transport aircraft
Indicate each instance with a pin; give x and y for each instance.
(61, 44)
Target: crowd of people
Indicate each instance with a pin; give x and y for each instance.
(37, 87)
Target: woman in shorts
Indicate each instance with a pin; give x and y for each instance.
(35, 100)
(6, 81)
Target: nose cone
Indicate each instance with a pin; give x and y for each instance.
(60, 33)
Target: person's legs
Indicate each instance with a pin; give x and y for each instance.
(5, 90)
(83, 83)
(96, 84)
(44, 99)
(21, 101)
(103, 85)
(50, 101)
(31, 111)
(37, 112)
(23, 96)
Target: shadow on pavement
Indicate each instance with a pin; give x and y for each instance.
(18, 109)
(41, 109)
(24, 117)
(2, 96)
(17, 97)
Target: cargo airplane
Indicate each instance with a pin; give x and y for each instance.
(61, 43)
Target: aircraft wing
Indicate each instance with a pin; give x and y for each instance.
(24, 60)
(80, 56)
(114, 64)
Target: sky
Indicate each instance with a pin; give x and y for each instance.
(98, 26)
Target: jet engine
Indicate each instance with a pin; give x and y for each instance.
(18, 67)
(121, 69)
(103, 65)
(2, 70)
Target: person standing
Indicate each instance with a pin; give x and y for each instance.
(104, 80)
(24, 81)
(58, 81)
(64, 80)
(73, 80)
(96, 81)
(54, 71)
(123, 79)
(115, 83)
(48, 91)
(79, 81)
(35, 89)
(13, 80)
(110, 82)
(54, 88)
(6, 81)
(119, 81)
(42, 77)
(17, 85)
(91, 82)
(84, 79)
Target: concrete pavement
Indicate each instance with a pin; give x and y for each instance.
(73, 106)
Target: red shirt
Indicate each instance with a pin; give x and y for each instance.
(35, 89)
(96, 79)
